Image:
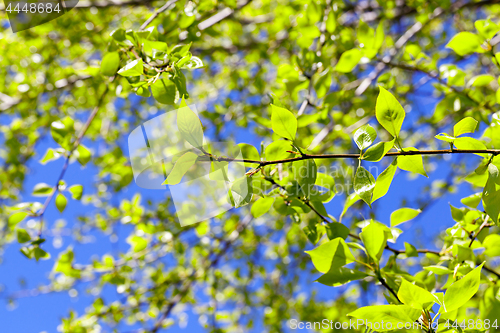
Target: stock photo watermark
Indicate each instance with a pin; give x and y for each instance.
(208, 178)
(27, 14)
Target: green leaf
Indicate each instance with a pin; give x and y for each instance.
(332, 254)
(403, 215)
(61, 202)
(283, 122)
(17, 217)
(133, 68)
(322, 83)
(472, 200)
(335, 229)
(261, 206)
(480, 80)
(351, 200)
(110, 63)
(364, 184)
(396, 315)
(384, 181)
(277, 150)
(340, 276)
(76, 191)
(62, 131)
(445, 137)
(466, 143)
(331, 22)
(138, 243)
(465, 43)
(410, 250)
(22, 236)
(377, 151)
(38, 253)
(487, 28)
(438, 270)
(50, 155)
(412, 163)
(249, 152)
(364, 136)
(414, 296)
(84, 154)
(374, 239)
(305, 173)
(189, 126)
(311, 233)
(366, 35)
(42, 190)
(466, 125)
(348, 60)
(118, 34)
(164, 91)
(491, 199)
(462, 291)
(180, 168)
(390, 114)
(492, 245)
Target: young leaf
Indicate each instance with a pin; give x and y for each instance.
(487, 28)
(364, 184)
(261, 206)
(390, 114)
(189, 126)
(377, 151)
(384, 181)
(180, 168)
(445, 137)
(466, 125)
(465, 43)
(340, 276)
(22, 236)
(462, 291)
(414, 296)
(396, 315)
(76, 191)
(138, 243)
(283, 122)
(61, 202)
(410, 250)
(335, 229)
(348, 60)
(332, 254)
(17, 217)
(133, 68)
(164, 91)
(305, 173)
(412, 163)
(42, 190)
(492, 245)
(50, 155)
(84, 154)
(374, 238)
(110, 63)
(403, 215)
(277, 150)
(364, 136)
(491, 199)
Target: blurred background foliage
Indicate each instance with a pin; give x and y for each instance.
(139, 270)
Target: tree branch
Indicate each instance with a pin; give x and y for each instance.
(494, 152)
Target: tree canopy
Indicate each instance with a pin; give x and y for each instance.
(254, 165)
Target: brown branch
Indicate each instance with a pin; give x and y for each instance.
(494, 152)
(156, 13)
